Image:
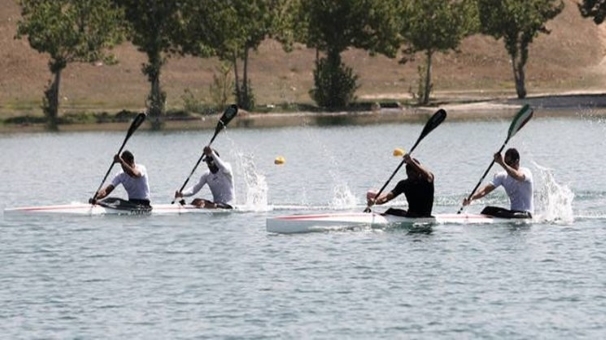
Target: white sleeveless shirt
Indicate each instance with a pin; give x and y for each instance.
(136, 187)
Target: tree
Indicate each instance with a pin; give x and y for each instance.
(518, 22)
(231, 29)
(69, 31)
(430, 27)
(152, 27)
(593, 8)
(332, 26)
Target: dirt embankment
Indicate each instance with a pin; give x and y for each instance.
(570, 59)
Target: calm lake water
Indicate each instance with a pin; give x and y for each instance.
(223, 276)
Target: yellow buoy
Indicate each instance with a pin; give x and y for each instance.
(397, 152)
(279, 160)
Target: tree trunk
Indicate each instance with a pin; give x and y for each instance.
(518, 51)
(519, 77)
(51, 94)
(156, 98)
(245, 88)
(427, 87)
(237, 78)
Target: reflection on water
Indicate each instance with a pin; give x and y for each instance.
(223, 276)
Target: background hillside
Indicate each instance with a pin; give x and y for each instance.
(569, 59)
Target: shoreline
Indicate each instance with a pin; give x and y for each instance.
(549, 105)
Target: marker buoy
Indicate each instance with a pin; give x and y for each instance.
(397, 152)
(279, 160)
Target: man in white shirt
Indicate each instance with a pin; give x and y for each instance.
(220, 180)
(133, 178)
(518, 184)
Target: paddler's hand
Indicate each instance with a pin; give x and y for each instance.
(117, 159)
(100, 194)
(371, 198)
(178, 194)
(466, 201)
(208, 151)
(407, 158)
(498, 158)
(92, 201)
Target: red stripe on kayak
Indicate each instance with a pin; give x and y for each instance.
(52, 207)
(307, 217)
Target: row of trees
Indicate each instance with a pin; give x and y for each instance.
(85, 31)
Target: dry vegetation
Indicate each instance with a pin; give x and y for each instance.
(569, 59)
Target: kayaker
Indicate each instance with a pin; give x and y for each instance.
(518, 184)
(418, 188)
(220, 180)
(133, 178)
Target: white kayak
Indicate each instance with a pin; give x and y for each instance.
(88, 209)
(336, 221)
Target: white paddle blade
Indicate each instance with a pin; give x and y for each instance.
(520, 120)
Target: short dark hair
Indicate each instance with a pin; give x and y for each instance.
(128, 156)
(210, 158)
(512, 154)
(410, 167)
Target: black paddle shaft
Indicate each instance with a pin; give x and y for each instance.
(226, 117)
(483, 176)
(431, 124)
(133, 127)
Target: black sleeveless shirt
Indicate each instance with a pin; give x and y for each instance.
(419, 194)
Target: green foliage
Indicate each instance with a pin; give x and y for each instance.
(424, 87)
(69, 31)
(25, 120)
(154, 26)
(231, 30)
(335, 84)
(434, 26)
(595, 9)
(333, 26)
(437, 25)
(222, 88)
(191, 103)
(247, 97)
(518, 22)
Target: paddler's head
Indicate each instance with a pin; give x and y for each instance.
(128, 157)
(411, 171)
(210, 162)
(512, 158)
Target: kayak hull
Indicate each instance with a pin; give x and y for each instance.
(91, 210)
(292, 224)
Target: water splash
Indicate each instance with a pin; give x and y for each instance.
(554, 199)
(343, 198)
(255, 183)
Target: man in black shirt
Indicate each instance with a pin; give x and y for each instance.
(418, 189)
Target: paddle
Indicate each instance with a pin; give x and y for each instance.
(431, 124)
(133, 127)
(521, 118)
(227, 116)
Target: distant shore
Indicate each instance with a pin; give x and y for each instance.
(548, 105)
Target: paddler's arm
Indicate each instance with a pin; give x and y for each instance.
(487, 189)
(193, 190)
(104, 192)
(419, 168)
(384, 198)
(516, 174)
(220, 163)
(130, 170)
